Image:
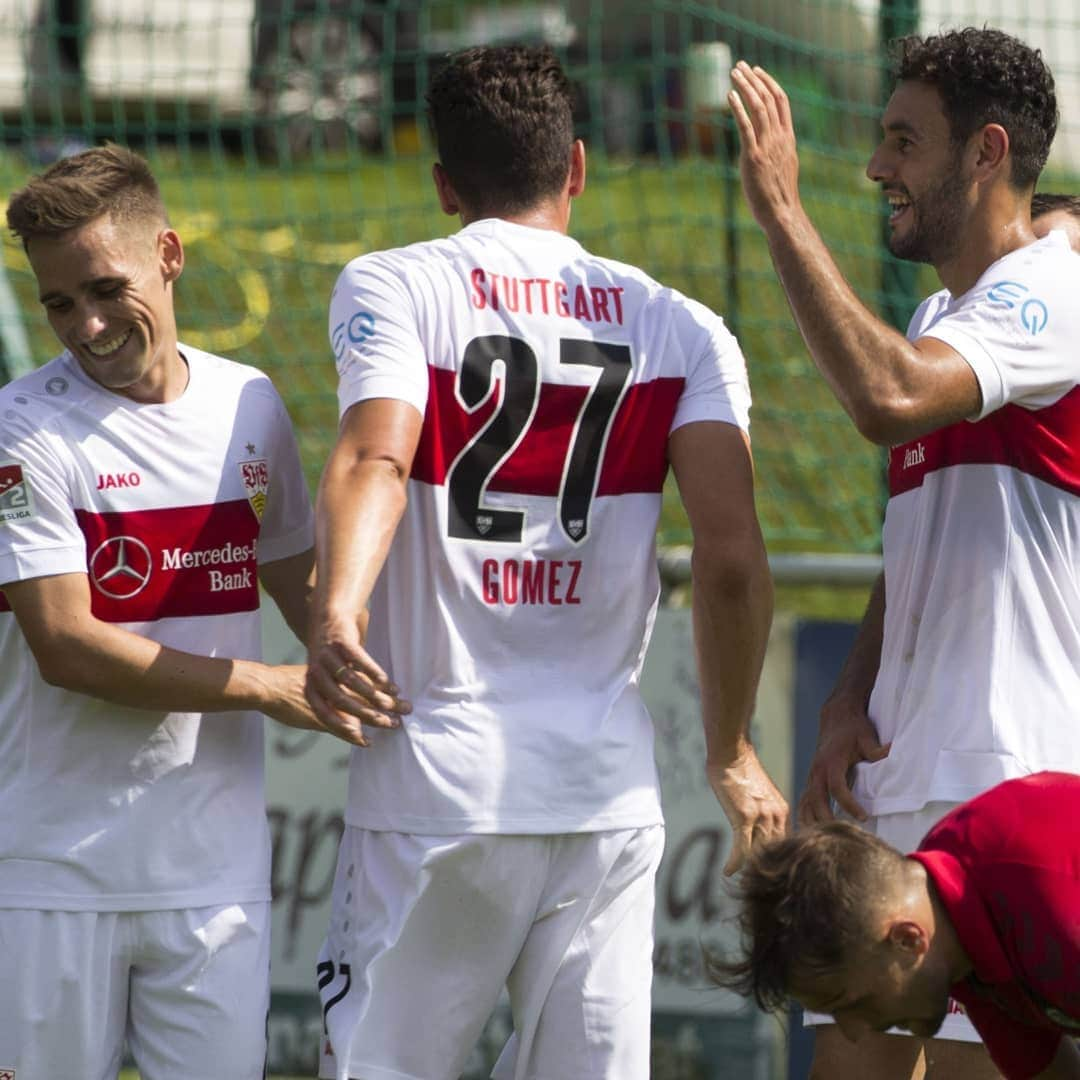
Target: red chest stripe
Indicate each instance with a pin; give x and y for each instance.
(1044, 443)
(179, 561)
(635, 458)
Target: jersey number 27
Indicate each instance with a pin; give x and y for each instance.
(468, 477)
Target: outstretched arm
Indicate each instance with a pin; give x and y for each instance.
(79, 652)
(732, 612)
(361, 499)
(893, 390)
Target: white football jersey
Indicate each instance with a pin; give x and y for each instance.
(516, 603)
(168, 509)
(980, 670)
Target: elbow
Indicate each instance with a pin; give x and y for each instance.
(61, 664)
(732, 571)
(394, 469)
(885, 423)
(58, 671)
(383, 469)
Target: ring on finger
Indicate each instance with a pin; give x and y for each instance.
(337, 674)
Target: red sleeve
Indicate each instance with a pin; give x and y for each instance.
(1019, 1050)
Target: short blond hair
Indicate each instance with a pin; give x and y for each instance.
(79, 189)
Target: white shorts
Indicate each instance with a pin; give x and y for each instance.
(905, 832)
(188, 989)
(426, 930)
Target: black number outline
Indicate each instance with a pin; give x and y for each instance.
(581, 470)
(325, 971)
(468, 476)
(471, 471)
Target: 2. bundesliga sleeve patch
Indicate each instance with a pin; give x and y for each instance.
(16, 501)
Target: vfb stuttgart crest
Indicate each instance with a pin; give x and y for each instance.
(256, 477)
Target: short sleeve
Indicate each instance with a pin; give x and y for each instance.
(1017, 331)
(39, 535)
(717, 386)
(374, 335)
(287, 526)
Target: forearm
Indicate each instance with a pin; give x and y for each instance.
(857, 677)
(360, 503)
(732, 613)
(872, 369)
(289, 582)
(108, 662)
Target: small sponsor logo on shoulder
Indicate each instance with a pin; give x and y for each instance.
(256, 476)
(16, 500)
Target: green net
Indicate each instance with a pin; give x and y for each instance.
(289, 137)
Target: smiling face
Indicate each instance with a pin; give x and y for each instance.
(921, 171)
(891, 984)
(107, 292)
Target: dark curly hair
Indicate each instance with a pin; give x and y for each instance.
(987, 77)
(502, 118)
(806, 906)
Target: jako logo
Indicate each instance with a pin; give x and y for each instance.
(118, 480)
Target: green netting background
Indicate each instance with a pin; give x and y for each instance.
(289, 137)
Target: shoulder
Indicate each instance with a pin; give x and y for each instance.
(398, 263)
(386, 283)
(928, 311)
(230, 384)
(1036, 283)
(43, 401)
(223, 372)
(658, 303)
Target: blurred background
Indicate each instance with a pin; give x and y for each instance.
(289, 136)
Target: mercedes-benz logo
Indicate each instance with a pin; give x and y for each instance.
(120, 567)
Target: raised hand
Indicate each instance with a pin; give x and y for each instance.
(768, 161)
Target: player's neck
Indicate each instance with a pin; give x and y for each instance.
(1002, 230)
(551, 214)
(946, 942)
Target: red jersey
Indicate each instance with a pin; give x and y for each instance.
(1007, 868)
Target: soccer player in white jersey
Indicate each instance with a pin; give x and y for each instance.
(966, 669)
(146, 489)
(510, 405)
